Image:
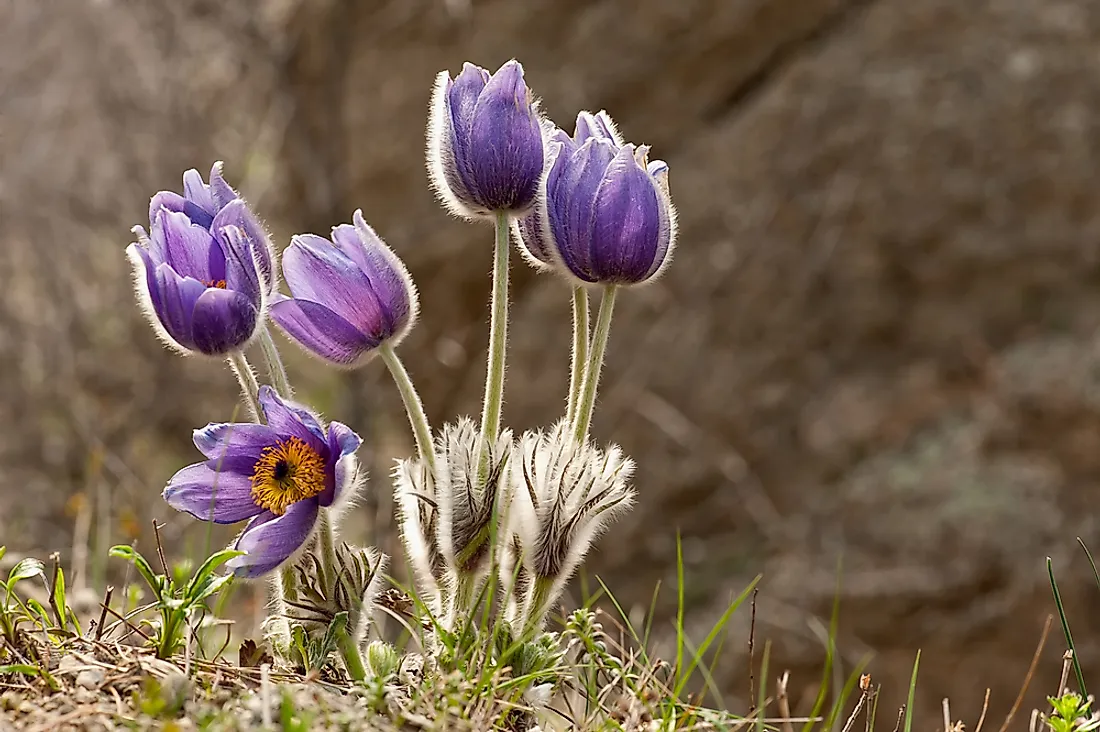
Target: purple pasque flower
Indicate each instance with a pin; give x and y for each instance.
(280, 475)
(199, 272)
(215, 205)
(604, 213)
(485, 144)
(351, 294)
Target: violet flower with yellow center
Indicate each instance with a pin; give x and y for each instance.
(281, 475)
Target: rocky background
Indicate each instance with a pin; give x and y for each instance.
(876, 349)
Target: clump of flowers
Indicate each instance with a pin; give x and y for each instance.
(479, 511)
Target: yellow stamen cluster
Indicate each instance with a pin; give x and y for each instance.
(220, 284)
(287, 472)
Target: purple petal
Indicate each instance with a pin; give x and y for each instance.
(390, 281)
(627, 223)
(342, 444)
(292, 420)
(177, 297)
(210, 495)
(224, 320)
(150, 279)
(189, 248)
(596, 125)
(236, 213)
(321, 331)
(197, 192)
(571, 197)
(217, 441)
(242, 273)
(318, 271)
(270, 540)
(532, 236)
(220, 191)
(165, 199)
(504, 161)
(462, 96)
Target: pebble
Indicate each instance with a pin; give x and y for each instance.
(90, 678)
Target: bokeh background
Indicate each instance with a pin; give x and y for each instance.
(876, 349)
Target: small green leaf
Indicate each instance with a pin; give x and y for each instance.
(207, 570)
(20, 668)
(3, 551)
(25, 569)
(156, 582)
(57, 598)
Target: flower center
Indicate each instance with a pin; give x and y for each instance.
(287, 472)
(220, 284)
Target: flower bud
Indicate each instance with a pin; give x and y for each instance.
(382, 659)
(351, 294)
(485, 146)
(604, 213)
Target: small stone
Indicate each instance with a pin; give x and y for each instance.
(84, 695)
(90, 678)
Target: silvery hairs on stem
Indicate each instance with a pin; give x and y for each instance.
(567, 492)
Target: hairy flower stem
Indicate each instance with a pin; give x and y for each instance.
(461, 600)
(595, 363)
(349, 651)
(418, 420)
(580, 350)
(539, 595)
(498, 347)
(275, 369)
(326, 542)
(246, 377)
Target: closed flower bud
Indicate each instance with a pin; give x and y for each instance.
(604, 213)
(567, 493)
(418, 516)
(202, 272)
(485, 141)
(467, 505)
(351, 294)
(383, 659)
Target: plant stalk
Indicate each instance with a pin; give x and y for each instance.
(275, 368)
(418, 420)
(580, 350)
(498, 347)
(246, 377)
(595, 363)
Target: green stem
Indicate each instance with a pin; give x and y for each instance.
(580, 350)
(418, 420)
(353, 659)
(246, 377)
(326, 541)
(538, 600)
(595, 363)
(498, 346)
(275, 368)
(287, 588)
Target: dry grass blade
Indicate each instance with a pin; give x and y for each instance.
(985, 708)
(783, 701)
(865, 692)
(1030, 674)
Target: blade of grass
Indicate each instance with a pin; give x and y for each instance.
(912, 692)
(1065, 628)
(830, 655)
(714, 631)
(652, 612)
(679, 610)
(762, 692)
(1095, 574)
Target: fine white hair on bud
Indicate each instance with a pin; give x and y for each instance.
(418, 517)
(467, 505)
(568, 491)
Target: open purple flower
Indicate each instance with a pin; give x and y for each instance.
(200, 271)
(604, 213)
(351, 294)
(280, 475)
(485, 146)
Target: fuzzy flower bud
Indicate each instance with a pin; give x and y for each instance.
(203, 271)
(418, 516)
(354, 589)
(466, 505)
(604, 213)
(568, 492)
(351, 294)
(485, 146)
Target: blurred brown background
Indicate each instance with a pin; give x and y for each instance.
(877, 344)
